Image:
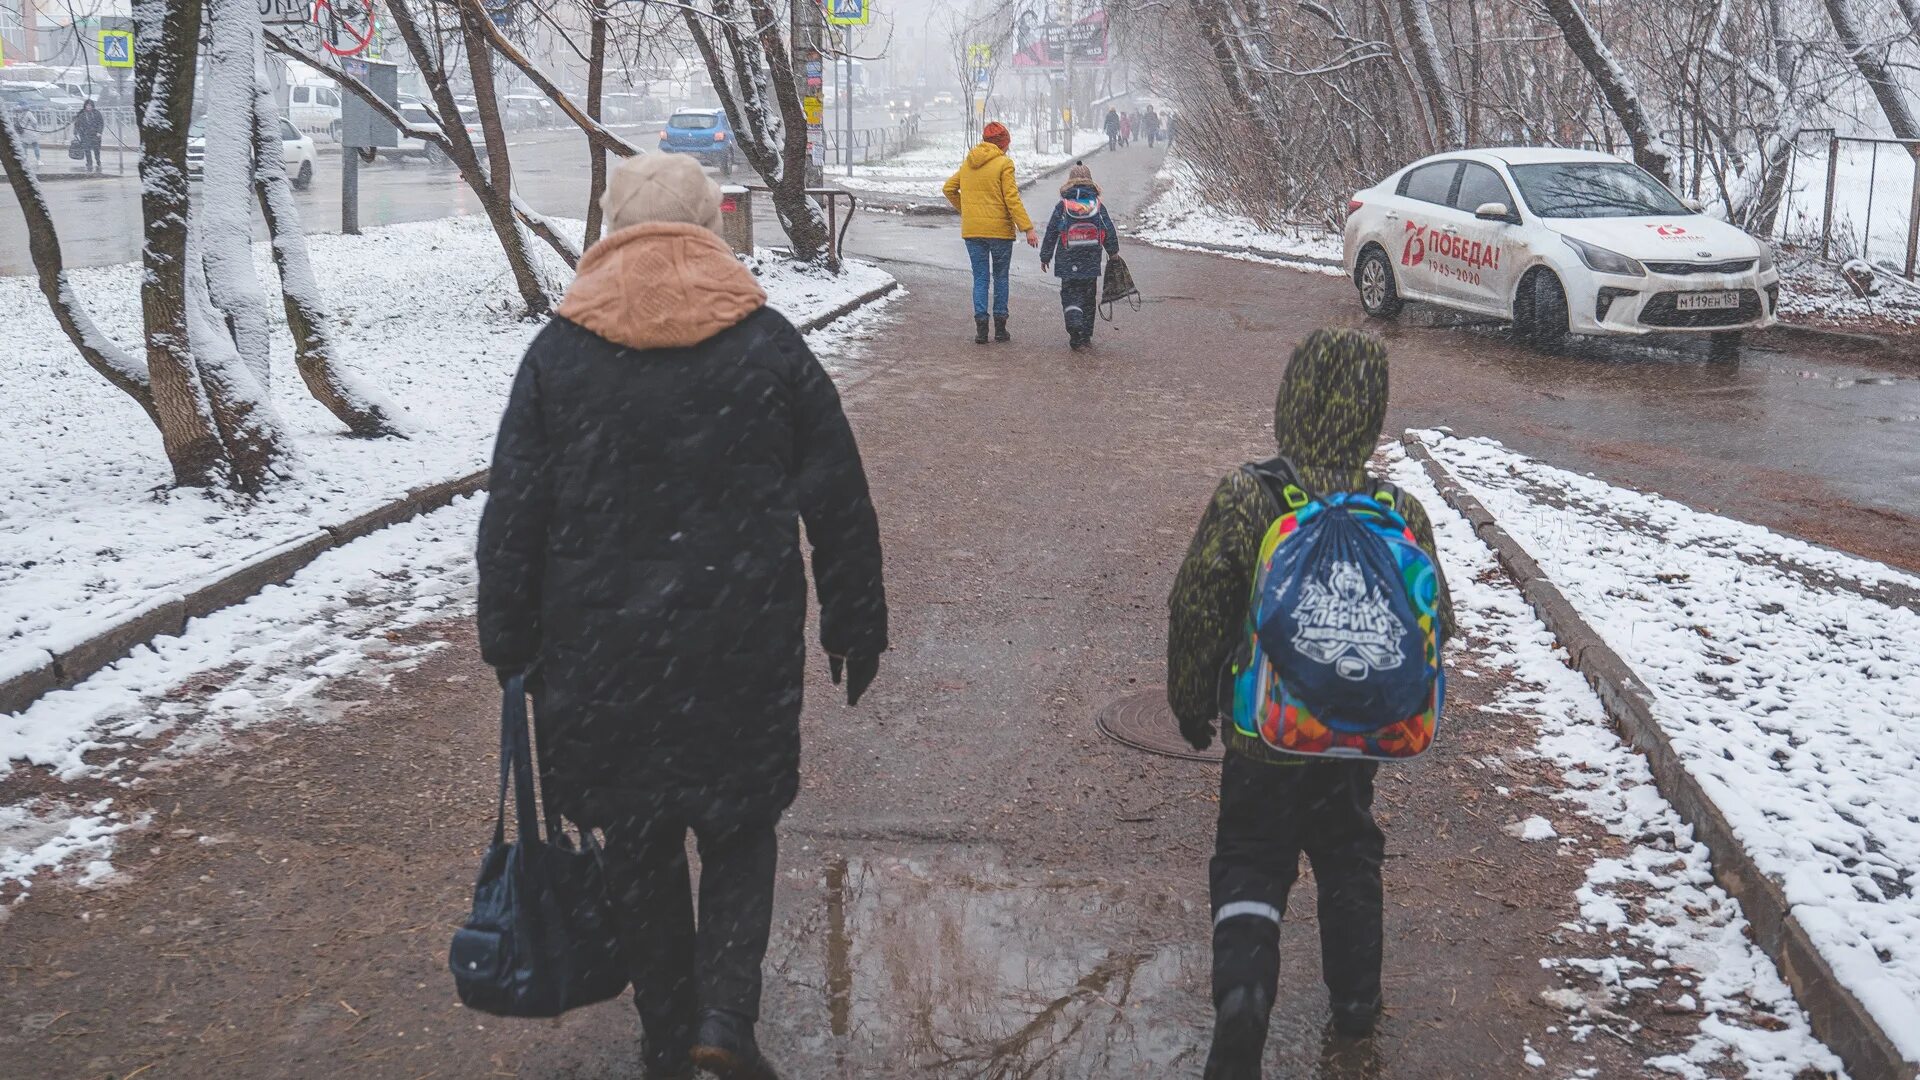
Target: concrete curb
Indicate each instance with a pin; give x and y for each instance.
(847, 308)
(168, 614)
(1243, 249)
(1838, 1017)
(1794, 333)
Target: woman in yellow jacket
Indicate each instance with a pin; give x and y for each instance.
(984, 191)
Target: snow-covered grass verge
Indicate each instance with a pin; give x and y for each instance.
(1787, 677)
(1182, 215)
(89, 532)
(919, 172)
(1655, 934)
(1813, 293)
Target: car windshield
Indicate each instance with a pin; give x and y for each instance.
(1598, 189)
(695, 120)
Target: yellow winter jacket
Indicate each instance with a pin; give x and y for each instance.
(984, 191)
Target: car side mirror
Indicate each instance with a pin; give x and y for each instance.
(1493, 211)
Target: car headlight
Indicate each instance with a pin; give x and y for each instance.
(1766, 259)
(1604, 261)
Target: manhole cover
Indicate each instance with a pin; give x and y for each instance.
(1144, 722)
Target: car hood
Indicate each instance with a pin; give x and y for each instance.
(1673, 238)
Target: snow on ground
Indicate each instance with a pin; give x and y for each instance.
(1787, 677)
(919, 172)
(270, 658)
(1182, 216)
(1813, 292)
(425, 312)
(1654, 929)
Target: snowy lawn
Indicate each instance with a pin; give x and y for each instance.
(919, 172)
(1656, 934)
(89, 533)
(1181, 216)
(1787, 677)
(1814, 293)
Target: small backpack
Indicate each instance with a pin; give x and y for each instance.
(1116, 286)
(1341, 653)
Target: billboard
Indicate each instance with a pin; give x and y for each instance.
(1046, 32)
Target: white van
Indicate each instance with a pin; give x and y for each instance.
(315, 110)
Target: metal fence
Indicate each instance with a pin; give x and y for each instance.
(868, 145)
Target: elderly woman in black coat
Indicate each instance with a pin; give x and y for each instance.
(640, 559)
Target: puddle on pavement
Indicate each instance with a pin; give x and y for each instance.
(950, 968)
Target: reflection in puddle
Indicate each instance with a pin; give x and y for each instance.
(928, 968)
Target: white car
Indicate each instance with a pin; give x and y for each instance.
(296, 151)
(1559, 241)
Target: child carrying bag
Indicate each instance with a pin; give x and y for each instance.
(540, 939)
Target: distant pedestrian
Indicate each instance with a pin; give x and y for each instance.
(640, 561)
(1153, 127)
(987, 195)
(1171, 120)
(1126, 128)
(1079, 231)
(26, 129)
(1274, 805)
(1113, 127)
(88, 123)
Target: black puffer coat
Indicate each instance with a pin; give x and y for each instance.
(641, 548)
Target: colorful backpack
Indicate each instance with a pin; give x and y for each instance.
(1341, 656)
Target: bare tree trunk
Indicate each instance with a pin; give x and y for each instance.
(248, 428)
(1425, 46)
(1871, 60)
(169, 32)
(597, 171)
(497, 202)
(364, 410)
(1616, 86)
(224, 217)
(476, 16)
(756, 86)
(129, 373)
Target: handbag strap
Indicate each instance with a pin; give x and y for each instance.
(516, 755)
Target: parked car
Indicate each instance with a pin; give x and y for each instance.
(296, 152)
(1558, 241)
(625, 108)
(422, 114)
(524, 111)
(703, 133)
(315, 110)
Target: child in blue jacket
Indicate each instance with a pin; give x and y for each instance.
(1076, 235)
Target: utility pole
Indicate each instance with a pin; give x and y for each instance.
(808, 25)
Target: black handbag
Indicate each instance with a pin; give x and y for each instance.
(75, 151)
(541, 937)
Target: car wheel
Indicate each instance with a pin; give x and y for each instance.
(304, 178)
(333, 132)
(1540, 309)
(1724, 348)
(432, 155)
(1379, 295)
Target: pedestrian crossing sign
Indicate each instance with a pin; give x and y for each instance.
(849, 12)
(116, 48)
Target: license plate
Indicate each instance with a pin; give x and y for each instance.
(1706, 301)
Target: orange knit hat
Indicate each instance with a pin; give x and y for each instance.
(997, 134)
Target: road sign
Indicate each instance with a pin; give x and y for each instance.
(812, 107)
(285, 12)
(979, 56)
(116, 48)
(849, 12)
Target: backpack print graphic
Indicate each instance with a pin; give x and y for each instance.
(1346, 625)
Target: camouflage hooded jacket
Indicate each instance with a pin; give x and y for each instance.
(1326, 420)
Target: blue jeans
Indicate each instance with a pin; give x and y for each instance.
(985, 254)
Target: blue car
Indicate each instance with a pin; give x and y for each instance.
(703, 133)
